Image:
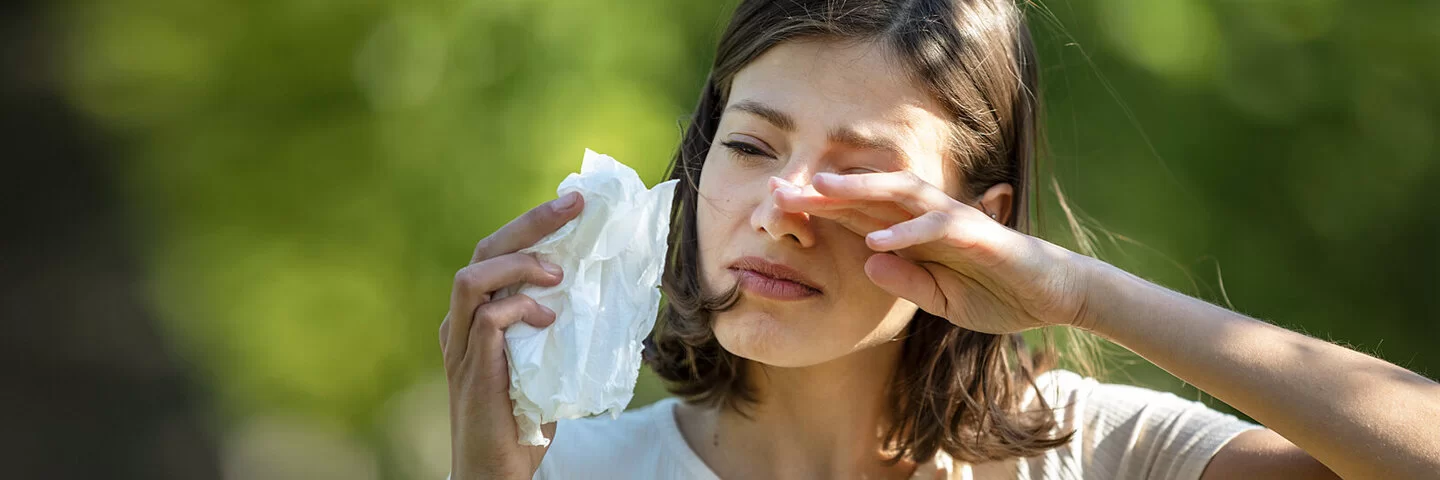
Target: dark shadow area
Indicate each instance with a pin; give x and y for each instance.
(91, 388)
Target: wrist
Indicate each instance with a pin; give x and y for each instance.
(1121, 306)
(1102, 293)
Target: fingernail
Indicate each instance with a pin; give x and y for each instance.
(825, 177)
(880, 236)
(551, 268)
(564, 203)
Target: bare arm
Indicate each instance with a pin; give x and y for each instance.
(1360, 416)
(1264, 454)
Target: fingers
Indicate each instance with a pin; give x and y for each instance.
(884, 207)
(476, 283)
(933, 226)
(486, 324)
(802, 198)
(491, 320)
(903, 188)
(810, 201)
(502, 313)
(859, 216)
(495, 265)
(530, 227)
(907, 280)
(854, 220)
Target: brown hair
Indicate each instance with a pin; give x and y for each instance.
(955, 390)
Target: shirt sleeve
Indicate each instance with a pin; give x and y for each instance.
(1135, 433)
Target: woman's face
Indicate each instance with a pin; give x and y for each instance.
(802, 108)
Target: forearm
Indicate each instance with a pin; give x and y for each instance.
(1361, 416)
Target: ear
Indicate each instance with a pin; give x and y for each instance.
(998, 200)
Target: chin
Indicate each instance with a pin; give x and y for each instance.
(763, 337)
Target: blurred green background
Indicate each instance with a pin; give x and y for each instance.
(297, 181)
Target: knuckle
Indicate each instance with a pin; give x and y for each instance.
(910, 179)
(510, 264)
(465, 278)
(938, 217)
(487, 316)
(909, 186)
(961, 238)
(482, 248)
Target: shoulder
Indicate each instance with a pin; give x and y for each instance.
(1123, 431)
(1074, 398)
(1064, 393)
(1060, 388)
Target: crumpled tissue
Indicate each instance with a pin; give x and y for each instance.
(612, 254)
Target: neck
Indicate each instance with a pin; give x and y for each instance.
(821, 421)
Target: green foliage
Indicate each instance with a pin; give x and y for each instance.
(311, 173)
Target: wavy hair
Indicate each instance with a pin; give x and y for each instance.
(955, 390)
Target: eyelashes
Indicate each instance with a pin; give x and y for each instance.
(744, 151)
(751, 154)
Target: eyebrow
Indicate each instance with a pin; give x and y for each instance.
(781, 119)
(842, 135)
(853, 139)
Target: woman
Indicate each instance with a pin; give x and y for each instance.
(849, 276)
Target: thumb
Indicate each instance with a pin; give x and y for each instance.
(905, 279)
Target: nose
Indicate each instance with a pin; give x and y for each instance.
(781, 225)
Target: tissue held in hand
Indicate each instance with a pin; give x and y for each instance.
(613, 253)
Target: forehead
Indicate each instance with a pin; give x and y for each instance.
(861, 86)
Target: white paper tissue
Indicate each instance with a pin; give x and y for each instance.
(613, 253)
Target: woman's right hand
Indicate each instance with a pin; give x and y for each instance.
(484, 440)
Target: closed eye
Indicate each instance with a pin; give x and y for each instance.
(744, 149)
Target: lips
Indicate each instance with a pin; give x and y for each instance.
(773, 280)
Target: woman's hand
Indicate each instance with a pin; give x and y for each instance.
(483, 436)
(945, 256)
(1360, 416)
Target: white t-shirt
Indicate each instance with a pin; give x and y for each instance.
(1121, 432)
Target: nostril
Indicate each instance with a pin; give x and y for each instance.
(780, 225)
(790, 236)
(782, 236)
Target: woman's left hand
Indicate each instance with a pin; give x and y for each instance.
(947, 257)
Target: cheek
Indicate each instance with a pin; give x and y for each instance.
(709, 239)
(722, 213)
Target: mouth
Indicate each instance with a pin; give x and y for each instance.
(773, 280)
